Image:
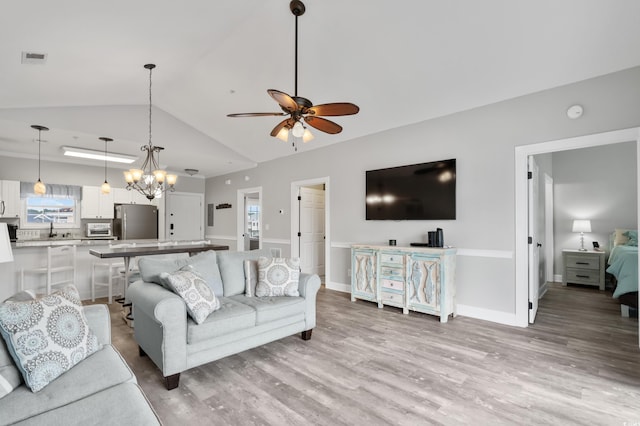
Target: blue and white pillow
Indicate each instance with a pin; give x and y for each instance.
(278, 277)
(47, 336)
(194, 290)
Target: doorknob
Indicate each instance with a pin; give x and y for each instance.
(539, 245)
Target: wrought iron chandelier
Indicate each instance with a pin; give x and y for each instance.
(150, 180)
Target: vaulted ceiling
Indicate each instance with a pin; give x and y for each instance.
(401, 61)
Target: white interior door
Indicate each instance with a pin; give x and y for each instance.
(312, 230)
(249, 219)
(184, 217)
(252, 221)
(534, 245)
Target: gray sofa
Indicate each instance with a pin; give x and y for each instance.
(176, 343)
(101, 389)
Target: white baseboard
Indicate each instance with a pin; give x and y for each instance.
(487, 315)
(463, 310)
(345, 288)
(557, 278)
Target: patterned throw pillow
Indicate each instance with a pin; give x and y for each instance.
(278, 277)
(47, 336)
(10, 377)
(195, 292)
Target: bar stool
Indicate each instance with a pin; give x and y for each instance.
(114, 269)
(61, 260)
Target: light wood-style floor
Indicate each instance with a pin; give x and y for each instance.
(578, 365)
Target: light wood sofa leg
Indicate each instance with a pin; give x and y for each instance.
(172, 381)
(306, 335)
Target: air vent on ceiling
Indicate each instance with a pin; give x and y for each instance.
(34, 58)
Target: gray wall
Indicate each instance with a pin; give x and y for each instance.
(599, 184)
(482, 140)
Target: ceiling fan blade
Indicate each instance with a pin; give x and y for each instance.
(256, 114)
(285, 101)
(323, 125)
(333, 109)
(279, 127)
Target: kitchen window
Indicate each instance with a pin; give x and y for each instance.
(46, 210)
(59, 205)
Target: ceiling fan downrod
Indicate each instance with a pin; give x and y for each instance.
(298, 9)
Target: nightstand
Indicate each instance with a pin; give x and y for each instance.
(583, 267)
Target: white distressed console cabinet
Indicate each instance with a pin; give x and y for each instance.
(419, 279)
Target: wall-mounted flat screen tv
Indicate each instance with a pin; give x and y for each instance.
(425, 191)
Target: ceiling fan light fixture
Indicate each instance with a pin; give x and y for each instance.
(283, 134)
(298, 130)
(299, 108)
(307, 136)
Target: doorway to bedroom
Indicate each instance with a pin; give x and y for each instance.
(580, 190)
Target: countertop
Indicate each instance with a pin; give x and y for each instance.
(95, 242)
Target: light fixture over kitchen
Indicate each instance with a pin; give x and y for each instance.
(39, 188)
(93, 154)
(150, 180)
(105, 188)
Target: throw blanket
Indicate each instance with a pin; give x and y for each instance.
(623, 264)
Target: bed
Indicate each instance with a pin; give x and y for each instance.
(623, 265)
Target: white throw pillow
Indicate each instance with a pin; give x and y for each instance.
(195, 292)
(278, 277)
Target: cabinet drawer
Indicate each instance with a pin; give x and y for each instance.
(582, 261)
(392, 284)
(583, 276)
(393, 298)
(398, 259)
(392, 272)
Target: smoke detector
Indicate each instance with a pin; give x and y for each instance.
(34, 58)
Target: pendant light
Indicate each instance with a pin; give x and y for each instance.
(105, 188)
(39, 188)
(150, 180)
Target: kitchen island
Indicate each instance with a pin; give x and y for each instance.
(32, 254)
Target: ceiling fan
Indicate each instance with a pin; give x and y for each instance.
(302, 109)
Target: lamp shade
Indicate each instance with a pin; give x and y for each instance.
(6, 255)
(581, 225)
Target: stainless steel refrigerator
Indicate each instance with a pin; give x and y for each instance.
(135, 222)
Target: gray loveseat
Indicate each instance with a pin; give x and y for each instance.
(101, 389)
(176, 343)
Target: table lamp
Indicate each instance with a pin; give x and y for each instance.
(581, 226)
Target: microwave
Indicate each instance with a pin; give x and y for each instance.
(98, 229)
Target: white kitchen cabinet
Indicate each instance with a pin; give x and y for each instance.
(95, 204)
(125, 196)
(9, 198)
